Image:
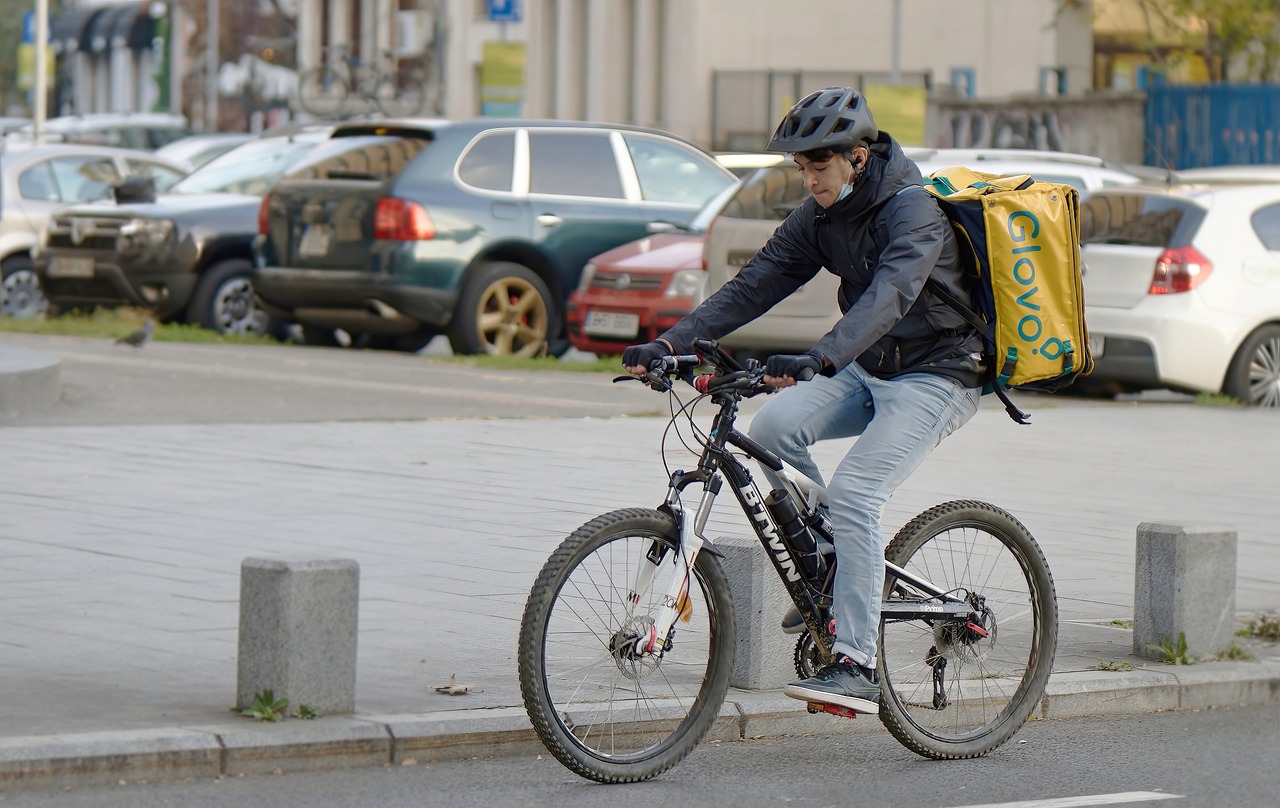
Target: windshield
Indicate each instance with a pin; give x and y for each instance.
(702, 222)
(248, 169)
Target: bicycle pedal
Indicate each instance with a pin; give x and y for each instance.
(833, 709)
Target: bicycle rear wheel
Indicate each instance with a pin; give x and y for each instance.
(947, 691)
(604, 711)
(406, 92)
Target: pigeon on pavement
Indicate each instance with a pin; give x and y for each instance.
(140, 337)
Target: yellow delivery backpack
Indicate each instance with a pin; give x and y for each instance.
(1020, 244)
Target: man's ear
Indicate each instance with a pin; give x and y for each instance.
(860, 156)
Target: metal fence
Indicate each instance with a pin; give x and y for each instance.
(746, 105)
(1217, 124)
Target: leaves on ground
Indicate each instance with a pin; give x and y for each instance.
(453, 688)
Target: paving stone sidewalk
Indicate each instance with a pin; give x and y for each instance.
(122, 548)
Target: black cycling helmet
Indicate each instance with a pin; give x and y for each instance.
(836, 118)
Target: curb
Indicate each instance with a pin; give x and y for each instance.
(232, 749)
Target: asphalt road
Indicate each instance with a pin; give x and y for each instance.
(185, 383)
(1178, 759)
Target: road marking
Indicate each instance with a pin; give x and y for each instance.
(1078, 802)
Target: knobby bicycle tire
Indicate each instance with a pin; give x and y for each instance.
(990, 685)
(607, 715)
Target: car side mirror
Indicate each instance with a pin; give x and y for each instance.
(135, 189)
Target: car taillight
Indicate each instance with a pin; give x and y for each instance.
(402, 220)
(1179, 269)
(262, 215)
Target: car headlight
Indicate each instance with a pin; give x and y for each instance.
(588, 275)
(143, 235)
(687, 283)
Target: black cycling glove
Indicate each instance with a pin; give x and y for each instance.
(800, 367)
(644, 355)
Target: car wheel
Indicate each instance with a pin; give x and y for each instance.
(504, 308)
(21, 295)
(1254, 375)
(223, 301)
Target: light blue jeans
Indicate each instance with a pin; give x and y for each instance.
(898, 422)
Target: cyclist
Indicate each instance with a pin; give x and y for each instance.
(900, 369)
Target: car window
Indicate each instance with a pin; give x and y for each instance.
(573, 164)
(673, 173)
(1074, 181)
(489, 162)
(702, 222)
(83, 179)
(1142, 220)
(373, 157)
(1266, 223)
(163, 176)
(769, 193)
(38, 182)
(249, 169)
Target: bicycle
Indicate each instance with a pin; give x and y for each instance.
(399, 91)
(624, 664)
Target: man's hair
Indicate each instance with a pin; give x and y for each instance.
(823, 154)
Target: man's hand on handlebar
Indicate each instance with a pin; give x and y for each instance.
(784, 370)
(639, 359)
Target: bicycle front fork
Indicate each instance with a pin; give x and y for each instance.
(675, 599)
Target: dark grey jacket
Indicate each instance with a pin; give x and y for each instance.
(883, 245)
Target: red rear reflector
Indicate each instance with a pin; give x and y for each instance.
(1179, 269)
(262, 215)
(402, 220)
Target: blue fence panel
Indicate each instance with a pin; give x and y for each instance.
(1216, 124)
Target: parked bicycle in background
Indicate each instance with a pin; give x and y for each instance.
(346, 83)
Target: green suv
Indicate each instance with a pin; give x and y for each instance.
(395, 232)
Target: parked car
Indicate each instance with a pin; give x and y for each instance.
(1231, 174)
(1182, 289)
(768, 196)
(130, 130)
(635, 292)
(477, 228)
(187, 255)
(39, 179)
(743, 163)
(197, 150)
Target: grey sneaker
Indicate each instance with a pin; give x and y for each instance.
(792, 622)
(843, 683)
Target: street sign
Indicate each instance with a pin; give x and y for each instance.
(504, 10)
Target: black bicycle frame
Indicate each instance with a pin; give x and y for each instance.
(810, 596)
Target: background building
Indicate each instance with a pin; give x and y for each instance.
(718, 72)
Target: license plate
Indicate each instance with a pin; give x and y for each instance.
(64, 266)
(314, 242)
(1096, 344)
(611, 324)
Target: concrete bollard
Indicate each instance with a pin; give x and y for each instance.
(1184, 584)
(298, 627)
(764, 659)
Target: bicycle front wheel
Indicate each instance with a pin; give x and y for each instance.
(603, 708)
(322, 90)
(961, 688)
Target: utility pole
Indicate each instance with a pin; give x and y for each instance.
(39, 111)
(211, 69)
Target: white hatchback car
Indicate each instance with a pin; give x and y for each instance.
(1182, 288)
(766, 197)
